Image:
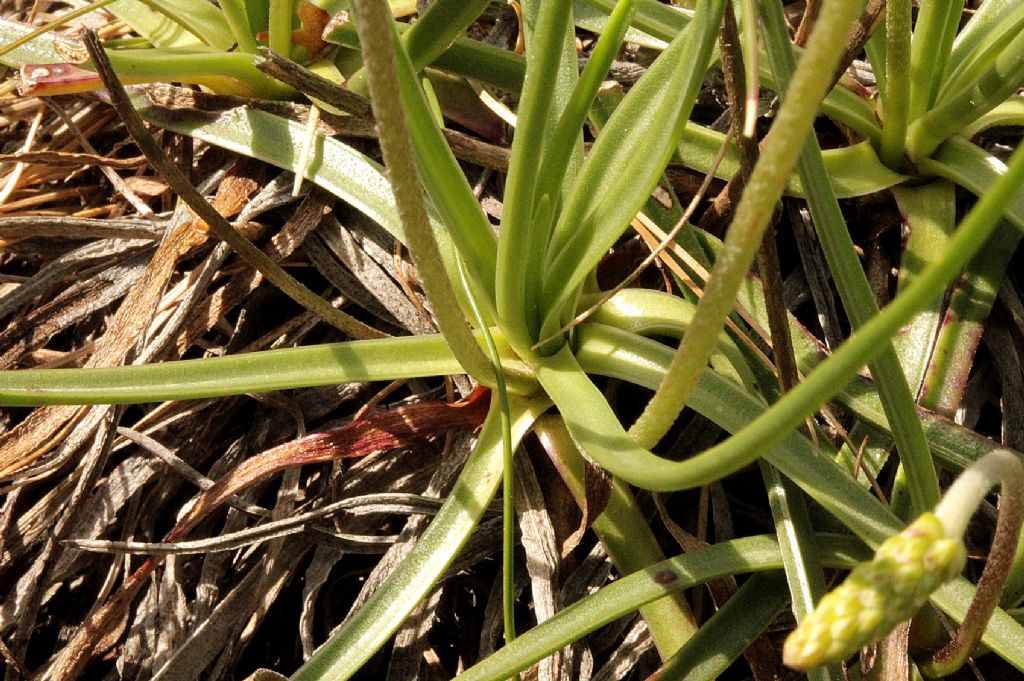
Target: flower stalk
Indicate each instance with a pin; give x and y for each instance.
(375, 35)
(1004, 468)
(781, 150)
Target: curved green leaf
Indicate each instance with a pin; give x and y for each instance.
(853, 171)
(974, 169)
(1009, 113)
(613, 353)
(600, 434)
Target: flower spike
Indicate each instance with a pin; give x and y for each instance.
(877, 595)
(910, 566)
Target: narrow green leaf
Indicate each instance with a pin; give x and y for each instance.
(730, 631)
(853, 170)
(591, 19)
(802, 564)
(333, 165)
(202, 19)
(374, 623)
(280, 18)
(159, 29)
(934, 31)
(566, 135)
(600, 206)
(987, 26)
(625, 595)
(374, 360)
(39, 50)
(930, 212)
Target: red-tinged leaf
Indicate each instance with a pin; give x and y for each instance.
(47, 80)
(379, 431)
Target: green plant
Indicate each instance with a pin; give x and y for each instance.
(563, 211)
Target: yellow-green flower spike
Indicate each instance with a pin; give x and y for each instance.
(877, 595)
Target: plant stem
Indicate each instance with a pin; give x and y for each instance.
(781, 150)
(898, 83)
(855, 292)
(280, 26)
(767, 256)
(804, 576)
(999, 467)
(376, 36)
(238, 21)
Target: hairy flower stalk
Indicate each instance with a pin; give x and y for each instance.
(375, 34)
(910, 566)
(778, 157)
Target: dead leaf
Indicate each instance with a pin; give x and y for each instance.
(47, 426)
(314, 20)
(146, 186)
